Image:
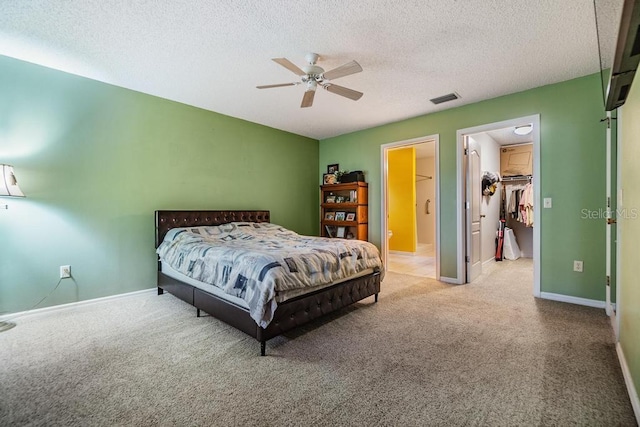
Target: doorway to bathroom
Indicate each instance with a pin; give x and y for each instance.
(410, 207)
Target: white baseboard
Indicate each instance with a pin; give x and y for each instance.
(74, 304)
(614, 323)
(405, 253)
(452, 280)
(631, 388)
(488, 261)
(572, 300)
(427, 246)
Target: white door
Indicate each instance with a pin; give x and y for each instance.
(473, 199)
(611, 228)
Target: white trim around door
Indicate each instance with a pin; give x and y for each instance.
(460, 216)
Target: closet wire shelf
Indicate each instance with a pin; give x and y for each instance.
(516, 178)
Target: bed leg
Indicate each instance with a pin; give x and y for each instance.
(376, 298)
(263, 347)
(160, 291)
(197, 312)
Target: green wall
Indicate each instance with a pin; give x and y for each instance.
(95, 161)
(629, 223)
(572, 173)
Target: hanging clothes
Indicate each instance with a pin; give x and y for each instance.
(519, 203)
(526, 204)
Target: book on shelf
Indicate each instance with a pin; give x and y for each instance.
(330, 231)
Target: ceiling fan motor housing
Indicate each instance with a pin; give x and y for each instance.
(313, 70)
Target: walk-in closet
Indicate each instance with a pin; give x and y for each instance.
(506, 195)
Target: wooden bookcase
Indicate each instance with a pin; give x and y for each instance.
(347, 198)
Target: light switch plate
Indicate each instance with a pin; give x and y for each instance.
(547, 202)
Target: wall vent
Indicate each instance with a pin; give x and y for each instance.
(445, 98)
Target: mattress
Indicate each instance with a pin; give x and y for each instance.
(280, 296)
(263, 263)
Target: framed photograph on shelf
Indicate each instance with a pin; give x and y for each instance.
(328, 178)
(340, 232)
(333, 168)
(351, 216)
(329, 216)
(339, 216)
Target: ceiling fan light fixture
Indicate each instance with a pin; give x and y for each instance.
(523, 130)
(312, 75)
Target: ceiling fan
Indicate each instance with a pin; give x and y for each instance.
(313, 76)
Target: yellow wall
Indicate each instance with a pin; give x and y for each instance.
(629, 222)
(402, 199)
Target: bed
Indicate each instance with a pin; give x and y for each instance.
(299, 308)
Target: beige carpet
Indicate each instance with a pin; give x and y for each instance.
(426, 354)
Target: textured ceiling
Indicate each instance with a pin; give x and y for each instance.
(212, 53)
(507, 136)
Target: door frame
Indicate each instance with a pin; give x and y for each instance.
(616, 314)
(384, 168)
(460, 192)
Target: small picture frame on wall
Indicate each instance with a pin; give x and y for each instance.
(339, 216)
(333, 168)
(329, 216)
(328, 178)
(351, 216)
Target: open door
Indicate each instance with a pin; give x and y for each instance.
(473, 199)
(611, 228)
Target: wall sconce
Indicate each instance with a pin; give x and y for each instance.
(8, 184)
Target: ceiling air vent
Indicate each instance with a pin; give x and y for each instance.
(445, 98)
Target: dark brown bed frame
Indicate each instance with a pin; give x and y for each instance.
(289, 314)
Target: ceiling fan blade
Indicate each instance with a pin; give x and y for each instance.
(343, 70)
(343, 91)
(307, 99)
(278, 85)
(289, 66)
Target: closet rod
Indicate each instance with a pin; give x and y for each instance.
(517, 178)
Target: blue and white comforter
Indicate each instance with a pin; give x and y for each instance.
(253, 261)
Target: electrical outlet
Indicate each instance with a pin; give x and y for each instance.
(577, 266)
(547, 203)
(65, 271)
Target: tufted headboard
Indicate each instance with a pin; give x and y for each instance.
(166, 220)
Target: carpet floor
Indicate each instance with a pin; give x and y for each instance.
(428, 353)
